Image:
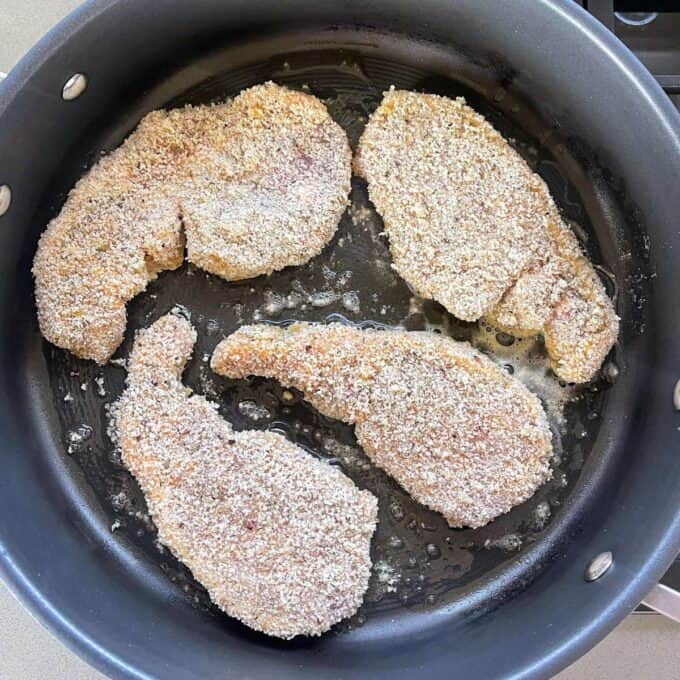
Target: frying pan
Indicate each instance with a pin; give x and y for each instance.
(522, 597)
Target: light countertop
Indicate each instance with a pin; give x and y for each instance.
(643, 646)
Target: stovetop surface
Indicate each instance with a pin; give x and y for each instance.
(657, 45)
(651, 30)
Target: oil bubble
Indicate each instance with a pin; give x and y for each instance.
(433, 551)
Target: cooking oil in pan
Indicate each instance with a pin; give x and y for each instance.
(418, 560)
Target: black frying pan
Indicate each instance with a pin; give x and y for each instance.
(509, 600)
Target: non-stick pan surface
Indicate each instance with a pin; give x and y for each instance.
(432, 587)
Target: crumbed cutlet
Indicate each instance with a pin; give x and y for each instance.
(280, 539)
(471, 226)
(257, 184)
(454, 429)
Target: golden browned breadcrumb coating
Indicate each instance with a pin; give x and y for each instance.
(471, 226)
(454, 429)
(119, 227)
(564, 299)
(463, 211)
(270, 192)
(258, 183)
(280, 539)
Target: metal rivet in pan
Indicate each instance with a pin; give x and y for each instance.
(598, 566)
(5, 199)
(74, 87)
(676, 396)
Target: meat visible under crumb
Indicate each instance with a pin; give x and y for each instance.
(471, 226)
(258, 184)
(454, 429)
(280, 540)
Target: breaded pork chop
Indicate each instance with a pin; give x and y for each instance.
(257, 184)
(280, 539)
(471, 226)
(464, 213)
(454, 429)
